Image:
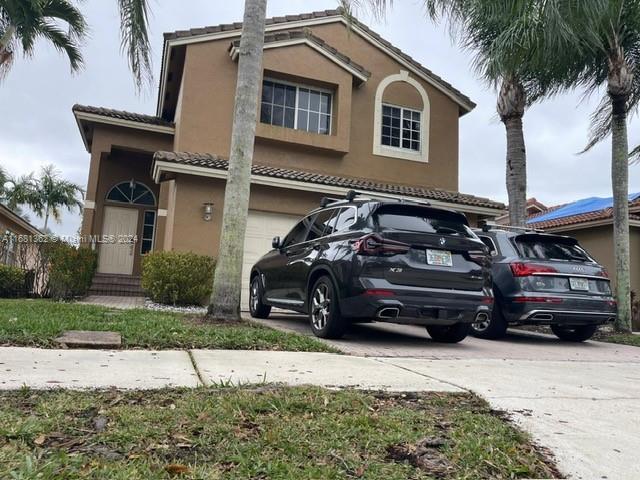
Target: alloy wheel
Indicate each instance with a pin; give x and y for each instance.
(320, 306)
(254, 294)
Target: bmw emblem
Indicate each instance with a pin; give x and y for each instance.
(442, 240)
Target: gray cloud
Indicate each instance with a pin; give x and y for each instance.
(38, 127)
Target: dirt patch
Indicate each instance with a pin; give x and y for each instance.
(425, 455)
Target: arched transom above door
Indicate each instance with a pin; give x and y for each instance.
(131, 192)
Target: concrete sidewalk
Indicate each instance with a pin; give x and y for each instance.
(143, 369)
(584, 411)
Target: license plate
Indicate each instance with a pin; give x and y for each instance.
(579, 283)
(441, 258)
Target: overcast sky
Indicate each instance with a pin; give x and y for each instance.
(38, 128)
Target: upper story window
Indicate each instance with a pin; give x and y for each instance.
(400, 127)
(401, 131)
(294, 106)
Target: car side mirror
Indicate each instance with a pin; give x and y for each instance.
(276, 243)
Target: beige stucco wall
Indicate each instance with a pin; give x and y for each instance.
(598, 241)
(192, 233)
(204, 122)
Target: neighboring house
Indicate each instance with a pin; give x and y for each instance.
(533, 207)
(590, 221)
(15, 232)
(341, 108)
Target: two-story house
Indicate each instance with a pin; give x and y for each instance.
(341, 108)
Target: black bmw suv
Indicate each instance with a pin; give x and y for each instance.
(544, 279)
(362, 260)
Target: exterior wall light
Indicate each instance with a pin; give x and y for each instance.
(207, 209)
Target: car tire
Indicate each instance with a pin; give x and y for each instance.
(492, 329)
(324, 311)
(257, 308)
(578, 333)
(449, 333)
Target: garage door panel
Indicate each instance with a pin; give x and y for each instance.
(261, 228)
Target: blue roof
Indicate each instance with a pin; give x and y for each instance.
(586, 205)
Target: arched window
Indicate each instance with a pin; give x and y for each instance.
(401, 132)
(131, 192)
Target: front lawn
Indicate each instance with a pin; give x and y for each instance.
(620, 338)
(264, 433)
(38, 322)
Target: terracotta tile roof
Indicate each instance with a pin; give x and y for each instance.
(469, 104)
(605, 214)
(306, 34)
(122, 115)
(219, 163)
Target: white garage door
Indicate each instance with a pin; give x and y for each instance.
(261, 228)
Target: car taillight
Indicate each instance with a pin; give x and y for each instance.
(537, 300)
(521, 269)
(479, 257)
(373, 244)
(604, 273)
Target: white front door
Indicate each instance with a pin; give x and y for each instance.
(261, 228)
(119, 225)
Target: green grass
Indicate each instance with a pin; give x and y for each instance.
(266, 433)
(621, 338)
(39, 322)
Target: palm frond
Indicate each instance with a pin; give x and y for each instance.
(134, 26)
(63, 42)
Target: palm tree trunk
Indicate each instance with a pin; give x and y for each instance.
(510, 106)
(227, 284)
(5, 40)
(619, 85)
(620, 187)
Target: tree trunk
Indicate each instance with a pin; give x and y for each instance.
(510, 106)
(5, 41)
(46, 220)
(619, 87)
(227, 284)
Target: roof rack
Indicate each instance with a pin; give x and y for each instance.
(351, 195)
(486, 226)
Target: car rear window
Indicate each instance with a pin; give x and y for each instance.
(551, 249)
(422, 220)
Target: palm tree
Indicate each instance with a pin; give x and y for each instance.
(22, 22)
(599, 46)
(502, 58)
(227, 284)
(45, 195)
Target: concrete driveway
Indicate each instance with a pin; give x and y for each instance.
(580, 400)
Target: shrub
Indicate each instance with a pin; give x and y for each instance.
(71, 270)
(177, 278)
(12, 281)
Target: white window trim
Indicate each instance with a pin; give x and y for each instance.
(298, 86)
(395, 152)
(153, 233)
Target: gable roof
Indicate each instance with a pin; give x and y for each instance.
(14, 217)
(293, 37)
(213, 162)
(287, 22)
